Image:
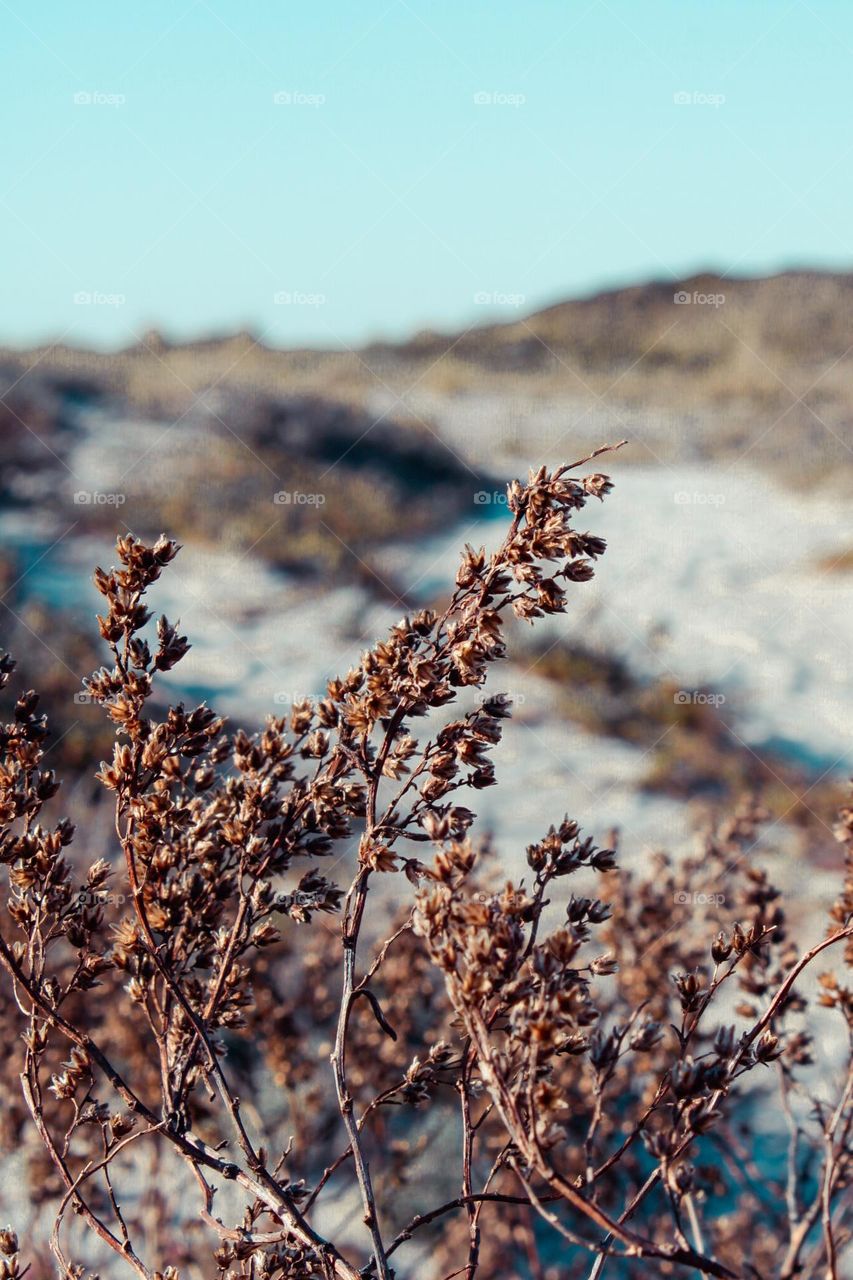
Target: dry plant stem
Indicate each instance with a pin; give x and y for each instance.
(791, 977)
(230, 1102)
(192, 1149)
(29, 1086)
(353, 914)
(380, 1100)
(227, 959)
(636, 1245)
(830, 1170)
(546, 1214)
(778, 1000)
(477, 1200)
(260, 1174)
(591, 1173)
(792, 1183)
(87, 1172)
(638, 1128)
(450, 1206)
(695, 1225)
(467, 1157)
(350, 930)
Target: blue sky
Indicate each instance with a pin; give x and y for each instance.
(428, 163)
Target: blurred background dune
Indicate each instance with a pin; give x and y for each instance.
(707, 658)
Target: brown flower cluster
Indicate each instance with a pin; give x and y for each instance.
(215, 1054)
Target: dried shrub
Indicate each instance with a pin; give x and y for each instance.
(203, 1068)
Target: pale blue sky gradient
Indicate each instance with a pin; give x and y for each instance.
(395, 199)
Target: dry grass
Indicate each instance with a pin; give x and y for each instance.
(769, 370)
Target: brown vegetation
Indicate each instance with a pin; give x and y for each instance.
(766, 371)
(197, 1062)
